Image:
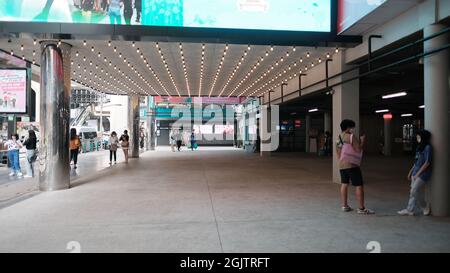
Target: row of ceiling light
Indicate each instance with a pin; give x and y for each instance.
(92, 83)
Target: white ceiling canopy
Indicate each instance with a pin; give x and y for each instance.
(178, 69)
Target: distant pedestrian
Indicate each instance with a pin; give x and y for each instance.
(193, 142)
(179, 140)
(172, 140)
(419, 175)
(113, 145)
(13, 145)
(125, 143)
(75, 146)
(349, 151)
(30, 144)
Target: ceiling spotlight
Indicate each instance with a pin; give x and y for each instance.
(21, 47)
(109, 43)
(308, 55)
(84, 42)
(395, 95)
(337, 50)
(34, 42)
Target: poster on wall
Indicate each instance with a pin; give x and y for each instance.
(284, 15)
(13, 91)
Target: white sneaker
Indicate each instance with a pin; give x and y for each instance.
(346, 209)
(19, 174)
(12, 173)
(365, 211)
(405, 212)
(427, 211)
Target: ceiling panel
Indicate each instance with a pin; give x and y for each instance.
(176, 69)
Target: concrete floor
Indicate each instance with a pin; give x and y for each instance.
(221, 200)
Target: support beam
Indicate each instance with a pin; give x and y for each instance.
(345, 106)
(437, 121)
(133, 125)
(54, 160)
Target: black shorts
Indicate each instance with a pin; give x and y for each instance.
(354, 175)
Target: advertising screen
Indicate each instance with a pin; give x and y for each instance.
(13, 91)
(351, 11)
(284, 15)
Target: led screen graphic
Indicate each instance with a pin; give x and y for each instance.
(285, 15)
(13, 91)
(351, 11)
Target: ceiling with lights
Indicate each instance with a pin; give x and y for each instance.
(178, 69)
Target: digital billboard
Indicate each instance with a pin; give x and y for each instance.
(13, 91)
(283, 15)
(351, 11)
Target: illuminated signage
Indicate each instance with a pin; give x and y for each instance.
(284, 15)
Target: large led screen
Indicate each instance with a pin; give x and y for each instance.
(284, 15)
(13, 91)
(351, 11)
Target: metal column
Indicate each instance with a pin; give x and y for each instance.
(133, 125)
(54, 160)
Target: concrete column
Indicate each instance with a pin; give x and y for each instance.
(133, 125)
(345, 106)
(307, 128)
(387, 137)
(327, 122)
(265, 130)
(437, 121)
(54, 160)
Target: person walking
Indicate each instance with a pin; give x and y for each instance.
(172, 140)
(127, 11)
(115, 18)
(419, 175)
(75, 146)
(179, 140)
(125, 144)
(13, 145)
(193, 142)
(30, 144)
(349, 151)
(113, 145)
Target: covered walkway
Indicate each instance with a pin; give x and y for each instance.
(221, 200)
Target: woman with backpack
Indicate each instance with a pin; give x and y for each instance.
(125, 143)
(75, 145)
(30, 145)
(419, 175)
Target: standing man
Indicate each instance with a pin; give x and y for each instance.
(349, 151)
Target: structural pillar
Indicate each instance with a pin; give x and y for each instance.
(307, 129)
(327, 122)
(345, 106)
(437, 121)
(54, 159)
(133, 125)
(387, 150)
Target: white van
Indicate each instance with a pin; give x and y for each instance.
(89, 138)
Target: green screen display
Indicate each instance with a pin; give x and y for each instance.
(285, 15)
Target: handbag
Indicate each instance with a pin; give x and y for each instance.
(349, 154)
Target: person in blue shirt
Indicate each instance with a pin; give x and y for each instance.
(419, 175)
